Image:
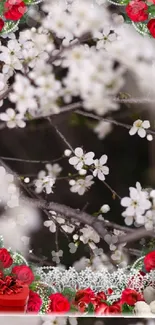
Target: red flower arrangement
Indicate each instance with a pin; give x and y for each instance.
(143, 12)
(137, 10)
(12, 11)
(19, 292)
(15, 295)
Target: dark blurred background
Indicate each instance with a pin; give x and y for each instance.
(129, 160)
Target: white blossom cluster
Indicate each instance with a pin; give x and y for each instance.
(82, 162)
(139, 207)
(17, 220)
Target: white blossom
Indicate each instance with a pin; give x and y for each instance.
(101, 170)
(80, 159)
(12, 119)
(81, 185)
(44, 182)
(135, 205)
(140, 127)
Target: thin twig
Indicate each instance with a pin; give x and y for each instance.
(61, 135)
(31, 160)
(114, 193)
(98, 118)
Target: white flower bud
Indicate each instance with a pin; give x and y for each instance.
(75, 237)
(67, 153)
(149, 137)
(72, 182)
(82, 172)
(105, 208)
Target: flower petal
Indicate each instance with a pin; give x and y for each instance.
(141, 132)
(126, 201)
(133, 130)
(146, 124)
(73, 161)
(79, 152)
(103, 159)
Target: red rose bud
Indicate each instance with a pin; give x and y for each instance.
(137, 10)
(14, 9)
(109, 291)
(1, 24)
(34, 302)
(130, 297)
(101, 296)
(23, 273)
(104, 309)
(58, 303)
(151, 27)
(85, 295)
(5, 258)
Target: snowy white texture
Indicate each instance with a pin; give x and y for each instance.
(18, 219)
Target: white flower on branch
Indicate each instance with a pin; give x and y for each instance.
(101, 170)
(105, 208)
(89, 235)
(81, 185)
(23, 94)
(56, 256)
(105, 37)
(80, 159)
(44, 182)
(140, 127)
(53, 170)
(135, 205)
(12, 119)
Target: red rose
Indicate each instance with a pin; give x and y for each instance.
(5, 258)
(103, 309)
(15, 9)
(34, 302)
(130, 297)
(1, 24)
(58, 303)
(85, 295)
(137, 10)
(23, 273)
(149, 260)
(101, 296)
(151, 27)
(83, 298)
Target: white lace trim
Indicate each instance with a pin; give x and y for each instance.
(58, 279)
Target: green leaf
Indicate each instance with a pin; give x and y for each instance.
(126, 309)
(90, 308)
(69, 293)
(73, 309)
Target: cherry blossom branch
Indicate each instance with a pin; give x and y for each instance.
(3, 95)
(98, 118)
(31, 160)
(135, 235)
(61, 135)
